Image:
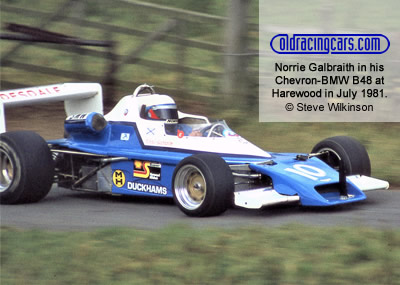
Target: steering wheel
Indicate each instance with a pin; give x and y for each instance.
(214, 130)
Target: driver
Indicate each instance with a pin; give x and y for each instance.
(161, 112)
(169, 113)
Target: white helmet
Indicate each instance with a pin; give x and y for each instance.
(161, 112)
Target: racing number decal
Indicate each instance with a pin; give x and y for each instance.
(119, 178)
(308, 171)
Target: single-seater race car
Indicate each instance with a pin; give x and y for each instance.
(146, 147)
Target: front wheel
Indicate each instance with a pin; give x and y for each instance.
(203, 185)
(26, 167)
(353, 154)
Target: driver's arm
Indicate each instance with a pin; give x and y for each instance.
(196, 133)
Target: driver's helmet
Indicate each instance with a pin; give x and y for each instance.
(161, 112)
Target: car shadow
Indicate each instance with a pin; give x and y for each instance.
(287, 210)
(112, 198)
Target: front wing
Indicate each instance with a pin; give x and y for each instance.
(310, 182)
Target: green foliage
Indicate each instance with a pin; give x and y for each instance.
(117, 14)
(203, 6)
(291, 254)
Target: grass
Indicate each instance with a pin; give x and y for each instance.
(291, 254)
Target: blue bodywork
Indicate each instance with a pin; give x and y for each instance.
(148, 171)
(313, 180)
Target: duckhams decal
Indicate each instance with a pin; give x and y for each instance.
(147, 170)
(141, 187)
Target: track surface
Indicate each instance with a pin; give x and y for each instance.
(66, 210)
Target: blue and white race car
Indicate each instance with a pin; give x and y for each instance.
(146, 147)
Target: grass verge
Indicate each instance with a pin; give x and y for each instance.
(292, 254)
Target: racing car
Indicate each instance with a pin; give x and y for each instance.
(145, 146)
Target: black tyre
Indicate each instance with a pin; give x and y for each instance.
(203, 185)
(26, 167)
(353, 154)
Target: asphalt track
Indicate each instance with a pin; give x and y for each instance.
(67, 210)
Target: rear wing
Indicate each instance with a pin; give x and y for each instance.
(78, 98)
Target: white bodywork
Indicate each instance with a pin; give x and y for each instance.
(152, 132)
(366, 183)
(79, 98)
(259, 198)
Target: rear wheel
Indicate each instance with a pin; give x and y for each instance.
(352, 153)
(26, 167)
(203, 185)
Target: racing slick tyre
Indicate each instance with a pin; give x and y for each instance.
(352, 152)
(203, 185)
(26, 167)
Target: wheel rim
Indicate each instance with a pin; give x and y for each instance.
(190, 187)
(332, 159)
(6, 171)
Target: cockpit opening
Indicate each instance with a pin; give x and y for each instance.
(213, 129)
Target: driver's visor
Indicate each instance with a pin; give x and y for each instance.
(162, 112)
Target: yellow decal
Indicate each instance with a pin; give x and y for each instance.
(119, 178)
(141, 169)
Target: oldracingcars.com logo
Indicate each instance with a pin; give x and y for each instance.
(330, 44)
